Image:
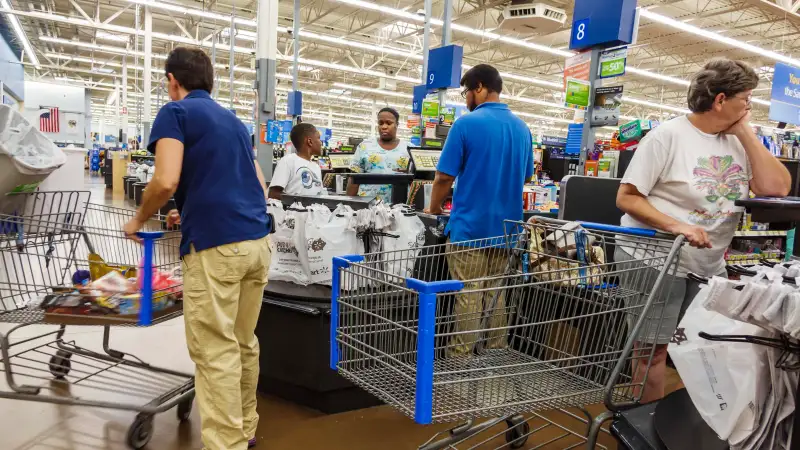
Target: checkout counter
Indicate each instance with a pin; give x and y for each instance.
(294, 325)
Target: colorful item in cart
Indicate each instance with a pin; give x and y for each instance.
(81, 278)
(98, 268)
(113, 293)
(563, 266)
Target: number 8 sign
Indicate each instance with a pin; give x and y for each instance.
(580, 29)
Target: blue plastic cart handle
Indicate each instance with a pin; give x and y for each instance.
(643, 232)
(146, 300)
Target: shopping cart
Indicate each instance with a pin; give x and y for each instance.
(53, 238)
(526, 329)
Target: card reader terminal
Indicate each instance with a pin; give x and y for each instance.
(425, 159)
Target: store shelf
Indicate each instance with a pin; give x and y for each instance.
(768, 233)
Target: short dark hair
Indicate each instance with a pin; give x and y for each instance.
(719, 76)
(192, 68)
(485, 75)
(391, 111)
(300, 132)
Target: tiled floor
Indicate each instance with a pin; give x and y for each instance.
(283, 426)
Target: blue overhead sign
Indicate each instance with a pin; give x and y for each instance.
(602, 23)
(420, 92)
(444, 67)
(785, 105)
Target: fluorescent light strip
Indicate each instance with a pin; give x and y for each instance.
(310, 62)
(26, 43)
(683, 26)
(372, 90)
(546, 118)
(629, 99)
(194, 12)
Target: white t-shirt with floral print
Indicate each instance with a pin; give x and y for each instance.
(696, 178)
(370, 157)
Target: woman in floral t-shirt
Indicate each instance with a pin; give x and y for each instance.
(386, 154)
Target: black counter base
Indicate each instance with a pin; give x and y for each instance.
(295, 352)
(332, 402)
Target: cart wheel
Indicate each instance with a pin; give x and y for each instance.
(185, 408)
(517, 435)
(140, 432)
(60, 364)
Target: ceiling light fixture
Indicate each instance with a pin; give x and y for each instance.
(26, 43)
(683, 26)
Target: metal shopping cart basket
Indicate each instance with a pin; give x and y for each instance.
(519, 325)
(47, 239)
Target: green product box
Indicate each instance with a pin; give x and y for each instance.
(633, 131)
(430, 109)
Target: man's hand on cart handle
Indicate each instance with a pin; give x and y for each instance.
(131, 228)
(433, 211)
(173, 218)
(696, 236)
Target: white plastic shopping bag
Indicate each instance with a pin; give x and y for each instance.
(329, 235)
(720, 377)
(402, 242)
(289, 261)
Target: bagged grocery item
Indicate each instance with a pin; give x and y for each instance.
(404, 236)
(141, 173)
(329, 235)
(722, 378)
(289, 263)
(27, 157)
(552, 255)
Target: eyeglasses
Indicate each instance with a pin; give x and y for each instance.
(464, 93)
(747, 100)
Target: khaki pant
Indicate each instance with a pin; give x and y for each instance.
(470, 264)
(222, 294)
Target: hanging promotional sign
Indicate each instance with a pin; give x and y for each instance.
(430, 108)
(577, 95)
(605, 109)
(612, 63)
(447, 115)
(273, 132)
(576, 80)
(785, 104)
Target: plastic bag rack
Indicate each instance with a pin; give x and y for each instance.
(789, 359)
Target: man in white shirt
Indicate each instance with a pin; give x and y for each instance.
(684, 179)
(295, 173)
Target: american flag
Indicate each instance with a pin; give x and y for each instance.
(48, 121)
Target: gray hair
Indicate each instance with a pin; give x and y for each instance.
(719, 76)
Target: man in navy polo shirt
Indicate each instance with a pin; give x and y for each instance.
(490, 152)
(204, 157)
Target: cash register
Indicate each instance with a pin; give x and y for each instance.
(339, 163)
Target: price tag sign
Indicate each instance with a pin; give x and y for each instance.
(612, 63)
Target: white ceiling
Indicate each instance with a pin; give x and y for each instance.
(347, 47)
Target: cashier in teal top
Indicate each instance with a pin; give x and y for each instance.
(386, 154)
(490, 152)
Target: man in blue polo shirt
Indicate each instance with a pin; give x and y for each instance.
(204, 157)
(490, 152)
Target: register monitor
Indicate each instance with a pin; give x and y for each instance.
(340, 158)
